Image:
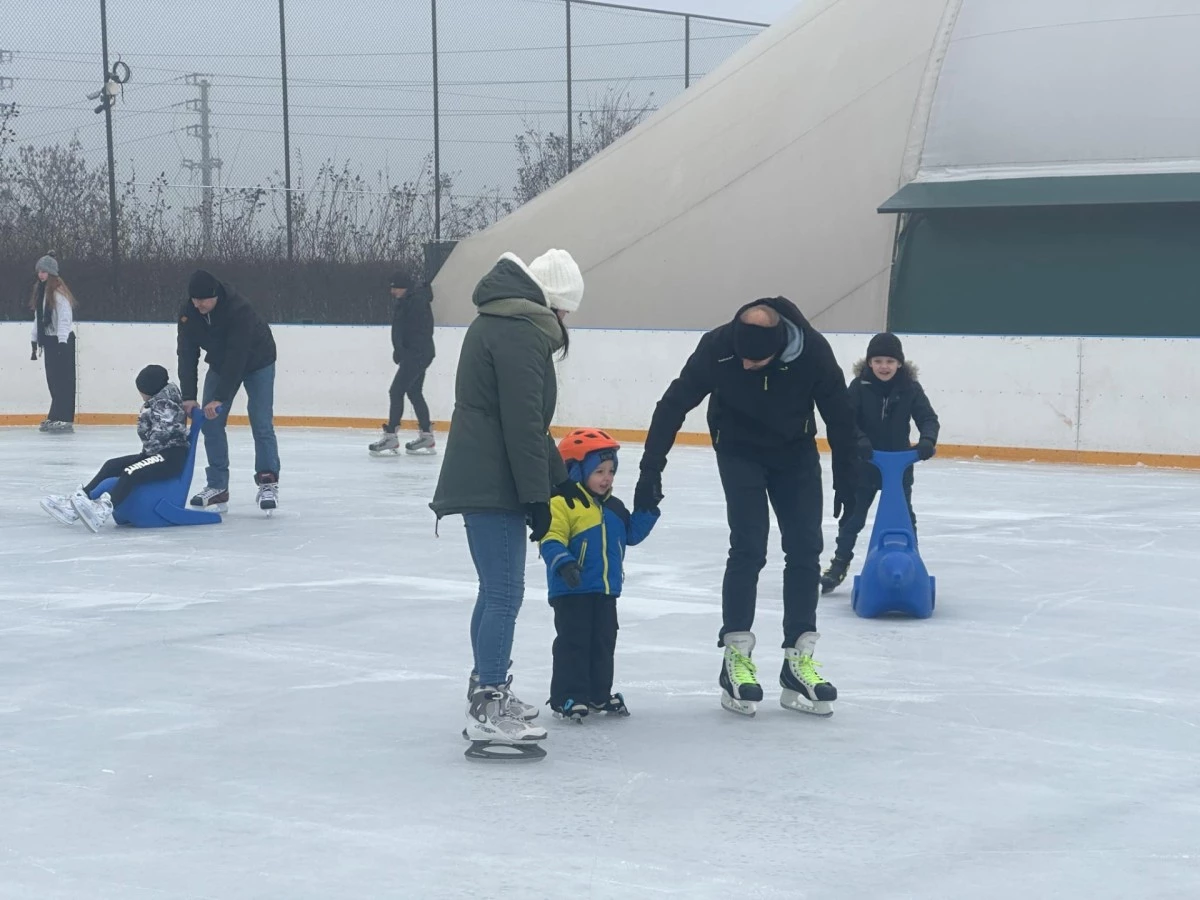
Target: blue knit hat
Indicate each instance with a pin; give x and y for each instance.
(582, 471)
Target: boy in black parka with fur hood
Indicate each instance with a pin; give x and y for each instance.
(885, 396)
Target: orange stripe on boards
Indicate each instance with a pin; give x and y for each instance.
(634, 436)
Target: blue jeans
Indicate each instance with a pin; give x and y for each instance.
(497, 541)
(260, 406)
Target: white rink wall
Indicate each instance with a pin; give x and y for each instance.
(1114, 395)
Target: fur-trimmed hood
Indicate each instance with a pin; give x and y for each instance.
(909, 369)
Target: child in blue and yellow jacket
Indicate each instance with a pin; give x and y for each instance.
(584, 552)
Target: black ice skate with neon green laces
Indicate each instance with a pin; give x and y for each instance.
(804, 690)
(740, 691)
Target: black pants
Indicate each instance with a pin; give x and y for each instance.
(410, 380)
(138, 469)
(850, 526)
(586, 628)
(60, 378)
(794, 492)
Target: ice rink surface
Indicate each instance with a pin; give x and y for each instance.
(271, 708)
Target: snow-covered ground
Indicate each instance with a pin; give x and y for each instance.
(271, 708)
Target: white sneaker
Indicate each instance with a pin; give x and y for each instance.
(61, 508)
(489, 719)
(94, 513)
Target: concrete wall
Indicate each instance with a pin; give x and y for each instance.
(1090, 399)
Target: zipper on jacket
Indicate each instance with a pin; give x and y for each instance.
(582, 553)
(604, 550)
(764, 382)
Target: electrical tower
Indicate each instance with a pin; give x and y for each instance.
(207, 163)
(6, 58)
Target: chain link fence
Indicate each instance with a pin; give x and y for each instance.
(300, 155)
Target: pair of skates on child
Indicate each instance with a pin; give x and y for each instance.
(217, 499)
(424, 445)
(803, 688)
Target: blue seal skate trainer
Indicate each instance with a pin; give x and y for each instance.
(163, 503)
(893, 578)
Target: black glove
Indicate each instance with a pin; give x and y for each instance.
(33, 353)
(865, 450)
(925, 449)
(843, 504)
(537, 516)
(571, 493)
(648, 493)
(569, 572)
(396, 357)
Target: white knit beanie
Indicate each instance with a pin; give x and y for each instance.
(558, 275)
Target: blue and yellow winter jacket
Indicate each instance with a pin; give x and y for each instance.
(596, 538)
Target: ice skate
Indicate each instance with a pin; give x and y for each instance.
(496, 735)
(804, 690)
(388, 443)
(268, 492)
(61, 508)
(613, 706)
(44, 426)
(59, 428)
(94, 513)
(571, 711)
(211, 498)
(516, 706)
(424, 445)
(835, 574)
(740, 690)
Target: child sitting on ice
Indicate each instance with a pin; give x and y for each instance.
(885, 396)
(584, 550)
(162, 426)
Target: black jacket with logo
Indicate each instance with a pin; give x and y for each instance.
(883, 411)
(765, 414)
(412, 328)
(237, 341)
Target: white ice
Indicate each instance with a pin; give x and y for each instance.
(271, 708)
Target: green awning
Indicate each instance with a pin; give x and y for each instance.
(1008, 193)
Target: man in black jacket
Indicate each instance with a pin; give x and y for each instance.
(763, 372)
(240, 350)
(412, 352)
(885, 396)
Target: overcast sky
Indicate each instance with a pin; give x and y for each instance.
(750, 10)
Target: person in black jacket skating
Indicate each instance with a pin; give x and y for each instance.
(412, 352)
(240, 350)
(762, 373)
(885, 396)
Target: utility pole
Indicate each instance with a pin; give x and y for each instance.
(6, 58)
(208, 163)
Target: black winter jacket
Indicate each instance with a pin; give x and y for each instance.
(237, 340)
(412, 328)
(765, 414)
(883, 415)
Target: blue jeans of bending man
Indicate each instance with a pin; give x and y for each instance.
(260, 407)
(498, 542)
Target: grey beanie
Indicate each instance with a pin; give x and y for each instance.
(48, 264)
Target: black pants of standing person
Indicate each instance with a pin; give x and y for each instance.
(60, 378)
(869, 485)
(410, 380)
(793, 489)
(586, 629)
(138, 469)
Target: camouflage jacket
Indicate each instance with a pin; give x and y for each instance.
(162, 422)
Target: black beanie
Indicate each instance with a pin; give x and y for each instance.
(885, 344)
(152, 379)
(401, 279)
(758, 342)
(203, 286)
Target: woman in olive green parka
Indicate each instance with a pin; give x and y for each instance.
(501, 466)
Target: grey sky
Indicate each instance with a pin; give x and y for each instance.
(750, 10)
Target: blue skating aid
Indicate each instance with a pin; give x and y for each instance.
(894, 578)
(163, 503)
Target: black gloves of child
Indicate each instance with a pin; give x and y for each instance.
(571, 493)
(33, 353)
(570, 574)
(865, 450)
(648, 493)
(925, 449)
(537, 517)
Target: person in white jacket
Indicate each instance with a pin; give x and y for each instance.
(53, 308)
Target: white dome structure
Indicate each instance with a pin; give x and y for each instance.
(768, 176)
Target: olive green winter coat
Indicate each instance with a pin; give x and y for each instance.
(499, 455)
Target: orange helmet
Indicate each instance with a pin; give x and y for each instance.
(576, 447)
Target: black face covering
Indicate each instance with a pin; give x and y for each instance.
(756, 343)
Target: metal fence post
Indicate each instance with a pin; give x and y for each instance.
(687, 52)
(112, 165)
(287, 135)
(437, 135)
(570, 100)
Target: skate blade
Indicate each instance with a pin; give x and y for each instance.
(797, 702)
(491, 751)
(58, 515)
(741, 707)
(381, 453)
(578, 720)
(420, 452)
